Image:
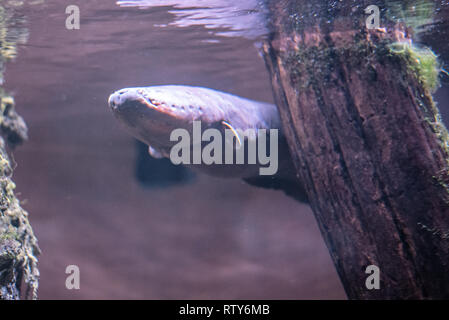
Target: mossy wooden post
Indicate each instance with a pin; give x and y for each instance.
(18, 245)
(367, 143)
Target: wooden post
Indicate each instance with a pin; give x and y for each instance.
(367, 142)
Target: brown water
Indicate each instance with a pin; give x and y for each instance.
(204, 238)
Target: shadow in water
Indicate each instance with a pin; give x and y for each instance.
(159, 173)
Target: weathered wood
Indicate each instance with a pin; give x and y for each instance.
(367, 143)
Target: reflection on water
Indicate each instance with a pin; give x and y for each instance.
(234, 17)
(12, 33)
(417, 14)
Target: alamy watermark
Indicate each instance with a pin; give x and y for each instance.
(373, 20)
(373, 280)
(72, 22)
(254, 152)
(73, 280)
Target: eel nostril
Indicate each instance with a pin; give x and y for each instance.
(114, 101)
(117, 99)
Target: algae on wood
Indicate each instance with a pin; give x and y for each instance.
(18, 245)
(367, 140)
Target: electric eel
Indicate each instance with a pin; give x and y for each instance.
(152, 114)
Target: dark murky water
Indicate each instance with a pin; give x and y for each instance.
(79, 172)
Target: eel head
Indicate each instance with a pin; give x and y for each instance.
(151, 113)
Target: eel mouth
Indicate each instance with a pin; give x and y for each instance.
(130, 100)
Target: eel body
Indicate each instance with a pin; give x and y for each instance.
(151, 113)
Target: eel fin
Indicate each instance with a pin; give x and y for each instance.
(154, 153)
(227, 124)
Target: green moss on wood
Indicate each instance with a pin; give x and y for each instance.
(422, 62)
(18, 245)
(310, 67)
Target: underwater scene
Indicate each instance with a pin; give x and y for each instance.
(224, 149)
